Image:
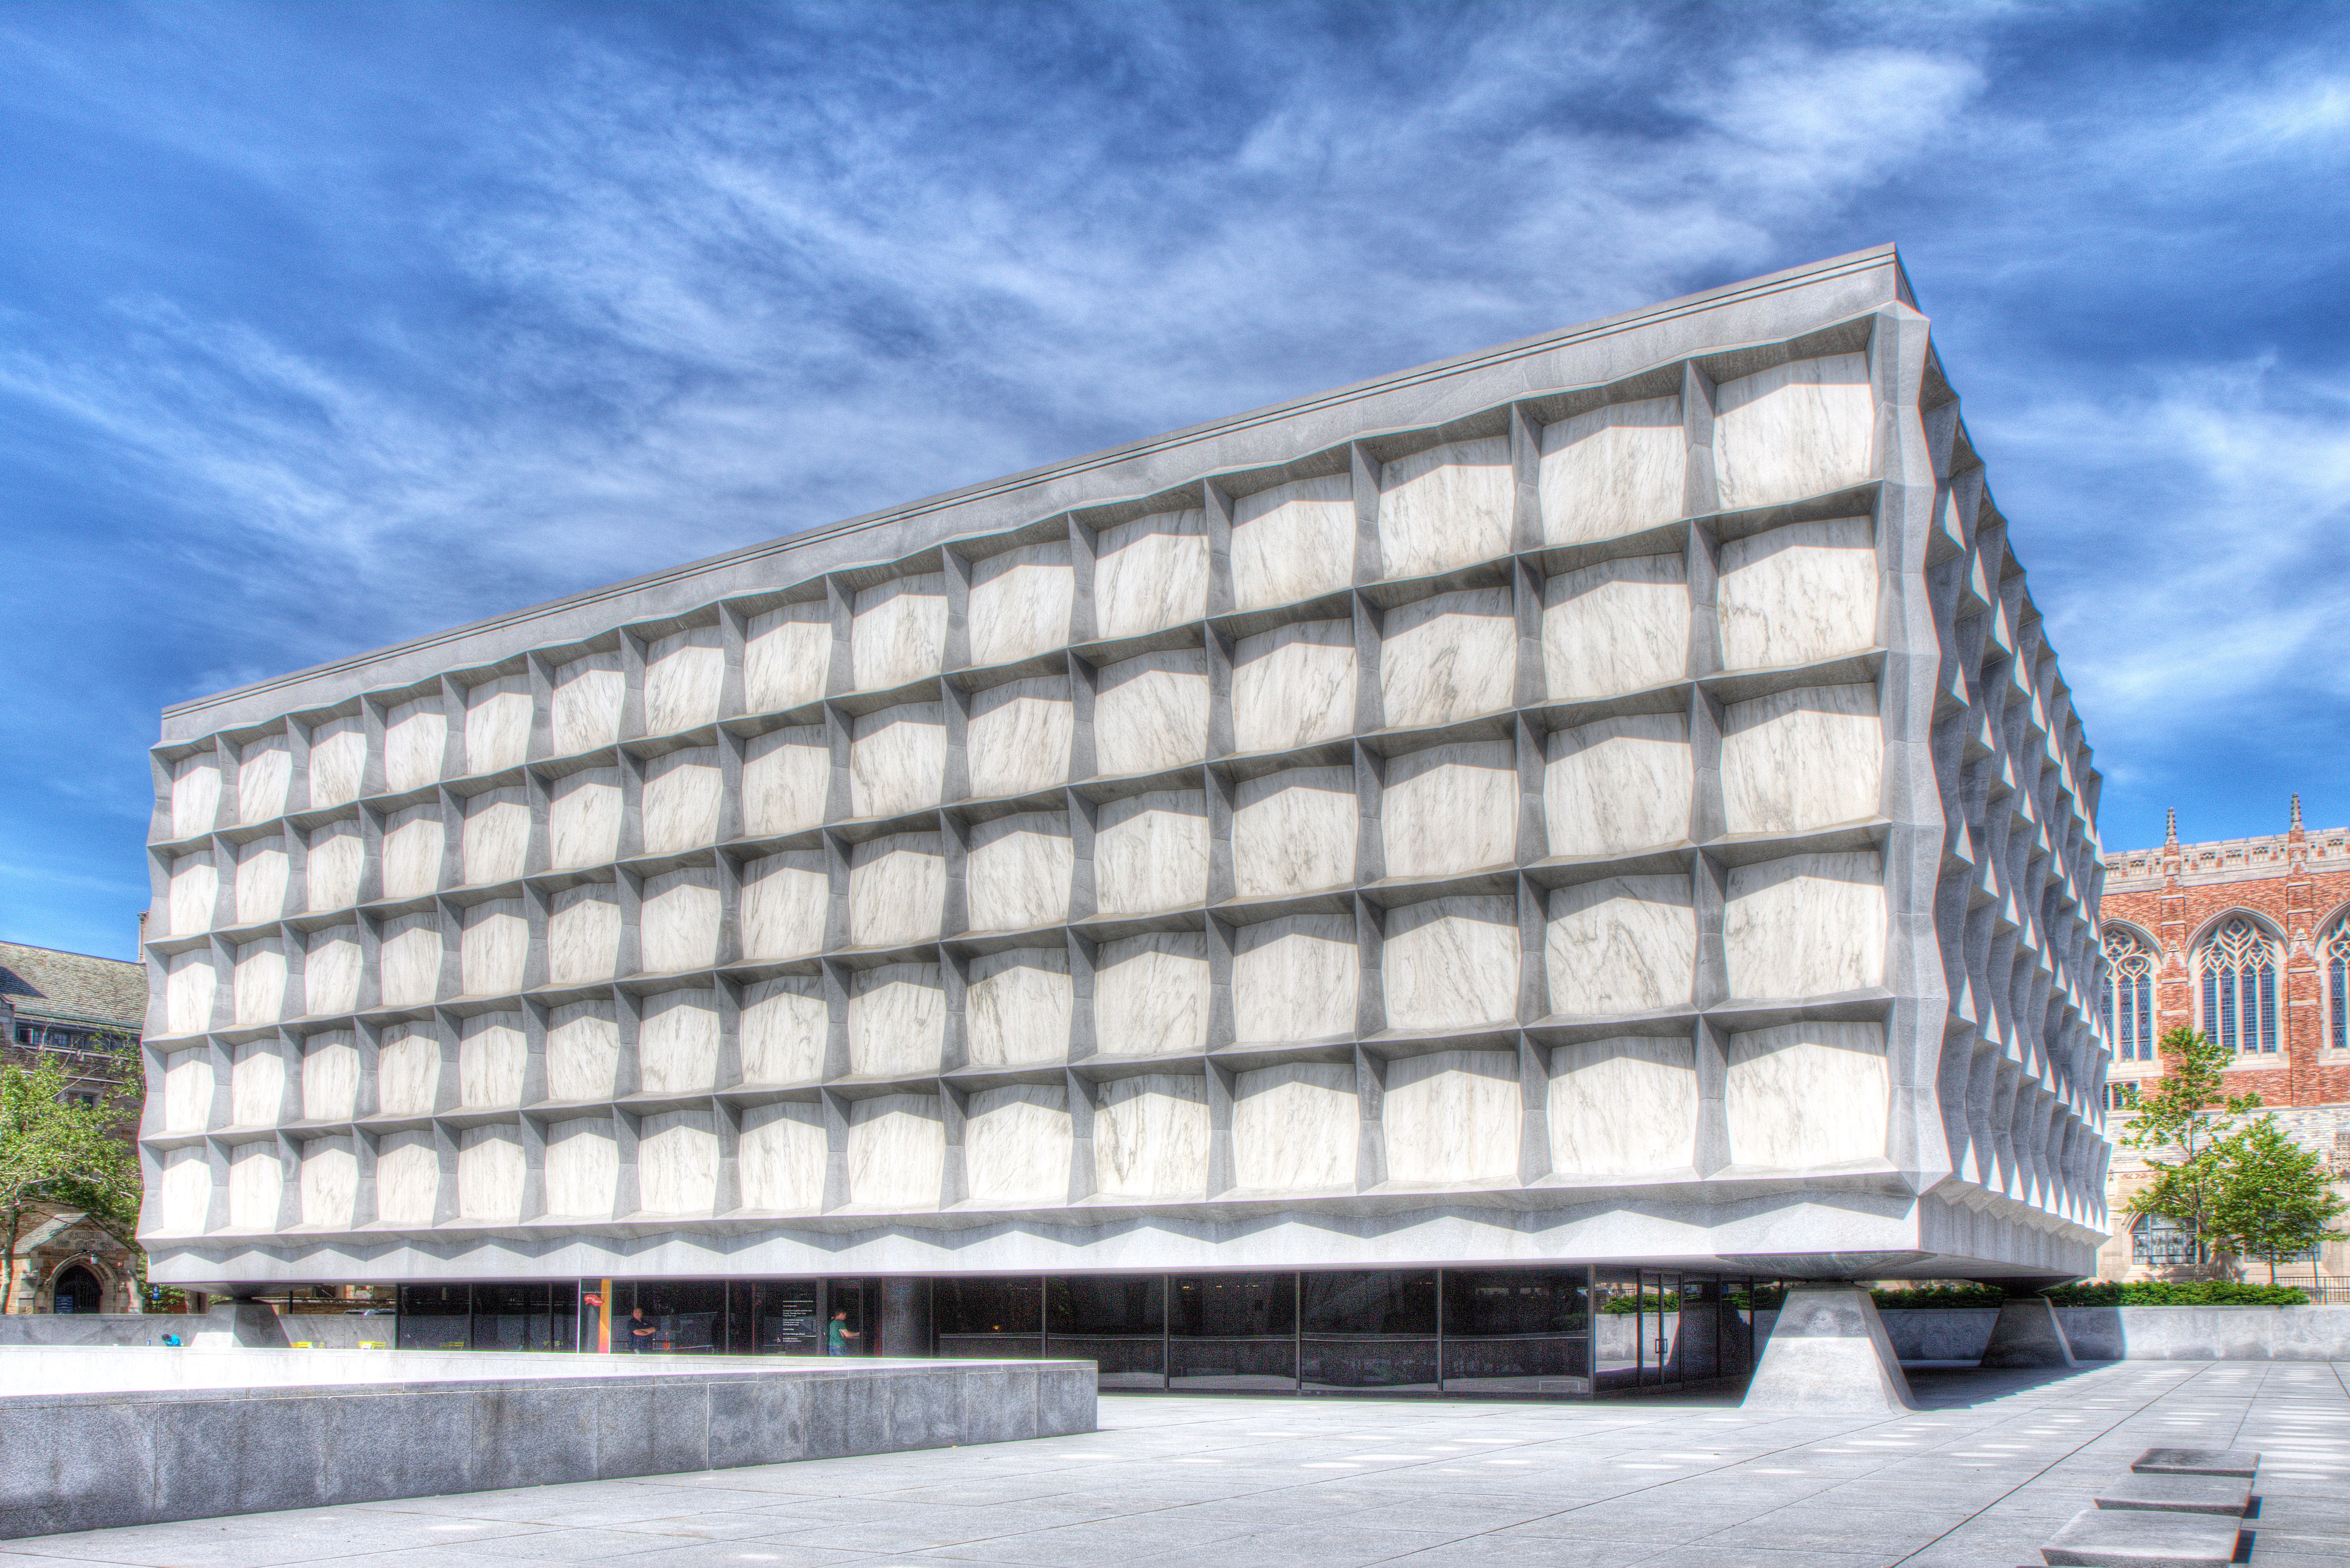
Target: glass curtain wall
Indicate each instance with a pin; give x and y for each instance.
(535, 1315)
(1369, 1330)
(1233, 1332)
(1517, 1331)
(1117, 1323)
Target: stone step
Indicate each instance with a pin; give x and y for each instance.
(2244, 1462)
(2139, 1538)
(2229, 1495)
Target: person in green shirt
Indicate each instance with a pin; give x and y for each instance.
(838, 1333)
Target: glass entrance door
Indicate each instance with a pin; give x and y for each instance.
(1659, 1317)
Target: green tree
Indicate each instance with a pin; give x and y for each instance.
(2272, 1199)
(2187, 1113)
(54, 1151)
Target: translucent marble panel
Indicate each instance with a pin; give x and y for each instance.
(1798, 594)
(897, 1020)
(491, 1174)
(194, 894)
(1020, 603)
(337, 760)
(782, 1031)
(1018, 1144)
(1454, 1116)
(257, 1084)
(1447, 658)
(408, 960)
(583, 818)
(494, 951)
(330, 971)
(897, 1151)
(582, 934)
(189, 987)
(1622, 944)
(1294, 685)
(1615, 626)
(330, 1076)
(1018, 874)
(786, 778)
(1294, 832)
(415, 740)
(1293, 542)
(1150, 1136)
(256, 1185)
(1019, 735)
(493, 1060)
(583, 1052)
(1017, 1007)
(260, 982)
(1446, 507)
(897, 759)
(682, 799)
(899, 632)
(1625, 1107)
(1801, 759)
(1807, 1093)
(1150, 573)
(1450, 808)
(195, 795)
(330, 1183)
(677, 1042)
(263, 869)
(415, 841)
(407, 1071)
(1808, 925)
(1793, 431)
(787, 656)
(784, 900)
(187, 1197)
(1295, 1128)
(407, 1178)
(188, 1081)
(677, 1163)
(1295, 978)
(1151, 712)
(497, 724)
(583, 1169)
(677, 921)
(780, 1157)
(1617, 785)
(1451, 963)
(331, 870)
(1150, 852)
(1150, 994)
(496, 844)
(685, 673)
(897, 889)
(1612, 471)
(589, 693)
(265, 779)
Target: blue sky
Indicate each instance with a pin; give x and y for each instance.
(323, 325)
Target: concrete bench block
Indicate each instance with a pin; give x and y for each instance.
(2138, 1538)
(2229, 1495)
(2239, 1462)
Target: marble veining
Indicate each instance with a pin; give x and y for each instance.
(491, 1168)
(493, 1060)
(189, 987)
(899, 632)
(897, 1151)
(1612, 471)
(1454, 1115)
(1807, 1093)
(1801, 429)
(782, 1030)
(1619, 785)
(260, 981)
(583, 1169)
(785, 898)
(1017, 1007)
(582, 934)
(678, 922)
(331, 1182)
(1615, 626)
(338, 761)
(1805, 925)
(1018, 874)
(585, 712)
(1622, 944)
(497, 724)
(1625, 1107)
(187, 1197)
(1294, 685)
(1293, 832)
(1447, 658)
(330, 971)
(257, 1084)
(414, 842)
(897, 759)
(415, 739)
(1293, 542)
(1151, 712)
(787, 656)
(1018, 738)
(1020, 603)
(583, 1052)
(265, 779)
(677, 1042)
(1150, 573)
(786, 778)
(685, 673)
(1150, 1136)
(1295, 1127)
(408, 960)
(682, 797)
(195, 796)
(330, 1076)
(1801, 759)
(407, 1071)
(256, 1183)
(1150, 994)
(1150, 852)
(897, 1020)
(677, 1164)
(495, 844)
(1446, 507)
(1449, 808)
(331, 870)
(780, 1157)
(1798, 594)
(1451, 963)
(263, 869)
(1018, 1144)
(583, 818)
(1295, 978)
(193, 894)
(188, 1091)
(897, 889)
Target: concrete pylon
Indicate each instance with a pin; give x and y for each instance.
(1828, 1354)
(2027, 1333)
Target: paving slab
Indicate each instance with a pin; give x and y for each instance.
(2244, 1462)
(2163, 1493)
(2136, 1538)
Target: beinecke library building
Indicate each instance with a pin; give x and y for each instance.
(1335, 898)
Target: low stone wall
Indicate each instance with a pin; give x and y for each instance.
(1939, 1334)
(98, 1328)
(228, 1323)
(2207, 1332)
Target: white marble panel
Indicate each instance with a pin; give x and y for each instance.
(493, 1061)
(681, 797)
(1447, 658)
(265, 779)
(494, 951)
(1150, 573)
(1450, 808)
(188, 1085)
(407, 1071)
(415, 841)
(330, 1076)
(497, 842)
(1293, 542)
(1294, 685)
(1020, 603)
(1017, 1010)
(1619, 785)
(1016, 1145)
(786, 778)
(1803, 1094)
(1150, 1136)
(1018, 739)
(782, 1030)
(677, 1042)
(897, 1151)
(583, 818)
(330, 971)
(1625, 1107)
(1151, 712)
(784, 899)
(260, 982)
(194, 894)
(1150, 852)
(187, 1196)
(1446, 507)
(407, 1178)
(1295, 1128)
(1451, 963)
(190, 984)
(583, 1169)
(1622, 944)
(1454, 1116)
(1803, 759)
(780, 1157)
(1612, 471)
(497, 724)
(897, 889)
(1019, 871)
(491, 1174)
(195, 795)
(337, 760)
(898, 632)
(262, 870)
(415, 740)
(1150, 994)
(1793, 431)
(257, 1084)
(408, 960)
(685, 673)
(256, 1184)
(897, 759)
(787, 656)
(583, 1052)
(1295, 978)
(1294, 832)
(331, 870)
(677, 1163)
(589, 693)
(1798, 594)
(582, 934)
(330, 1183)
(1807, 925)
(1615, 626)
(897, 1020)
(677, 921)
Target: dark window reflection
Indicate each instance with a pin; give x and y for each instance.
(1516, 1331)
(773, 1317)
(688, 1316)
(1368, 1330)
(990, 1319)
(1232, 1331)
(434, 1317)
(1117, 1322)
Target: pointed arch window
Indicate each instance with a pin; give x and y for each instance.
(2237, 970)
(2129, 995)
(2333, 959)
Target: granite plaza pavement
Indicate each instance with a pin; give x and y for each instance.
(1990, 1467)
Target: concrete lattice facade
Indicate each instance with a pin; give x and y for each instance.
(1608, 797)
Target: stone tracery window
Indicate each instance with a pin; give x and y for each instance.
(2334, 959)
(2237, 970)
(2129, 995)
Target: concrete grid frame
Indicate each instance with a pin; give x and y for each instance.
(1608, 797)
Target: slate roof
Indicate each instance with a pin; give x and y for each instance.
(73, 988)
